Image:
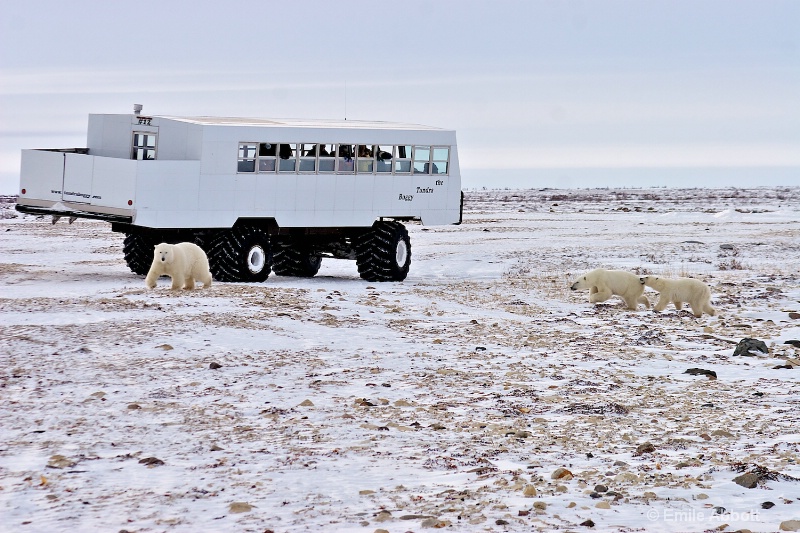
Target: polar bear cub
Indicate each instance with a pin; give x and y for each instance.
(183, 262)
(602, 284)
(680, 290)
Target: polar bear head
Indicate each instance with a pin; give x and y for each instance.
(164, 253)
(583, 282)
(652, 281)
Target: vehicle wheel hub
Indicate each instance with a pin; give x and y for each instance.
(401, 253)
(256, 259)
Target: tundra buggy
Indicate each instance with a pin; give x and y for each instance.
(257, 195)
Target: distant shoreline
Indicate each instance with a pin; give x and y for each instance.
(632, 177)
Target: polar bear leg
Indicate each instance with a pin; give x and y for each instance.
(177, 282)
(631, 302)
(708, 309)
(201, 273)
(679, 305)
(697, 309)
(152, 276)
(189, 283)
(599, 294)
(643, 300)
(662, 304)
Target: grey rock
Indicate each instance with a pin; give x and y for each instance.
(748, 480)
(645, 448)
(748, 345)
(701, 372)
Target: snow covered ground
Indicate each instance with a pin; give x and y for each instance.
(481, 394)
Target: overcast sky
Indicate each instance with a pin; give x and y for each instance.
(536, 90)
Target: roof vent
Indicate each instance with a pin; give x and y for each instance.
(137, 109)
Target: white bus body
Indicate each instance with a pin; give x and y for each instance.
(310, 185)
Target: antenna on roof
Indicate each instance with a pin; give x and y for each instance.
(137, 109)
(345, 99)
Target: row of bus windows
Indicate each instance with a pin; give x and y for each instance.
(343, 158)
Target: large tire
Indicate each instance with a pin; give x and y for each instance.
(383, 253)
(138, 250)
(240, 254)
(290, 258)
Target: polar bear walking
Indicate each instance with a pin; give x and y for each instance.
(183, 262)
(680, 290)
(602, 284)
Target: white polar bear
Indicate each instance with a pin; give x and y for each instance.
(183, 262)
(602, 284)
(681, 290)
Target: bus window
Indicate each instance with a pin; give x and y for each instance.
(366, 158)
(422, 158)
(247, 157)
(144, 146)
(327, 157)
(383, 158)
(288, 157)
(266, 157)
(402, 160)
(345, 159)
(440, 160)
(308, 158)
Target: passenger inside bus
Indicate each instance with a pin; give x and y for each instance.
(364, 158)
(266, 157)
(346, 158)
(327, 159)
(384, 156)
